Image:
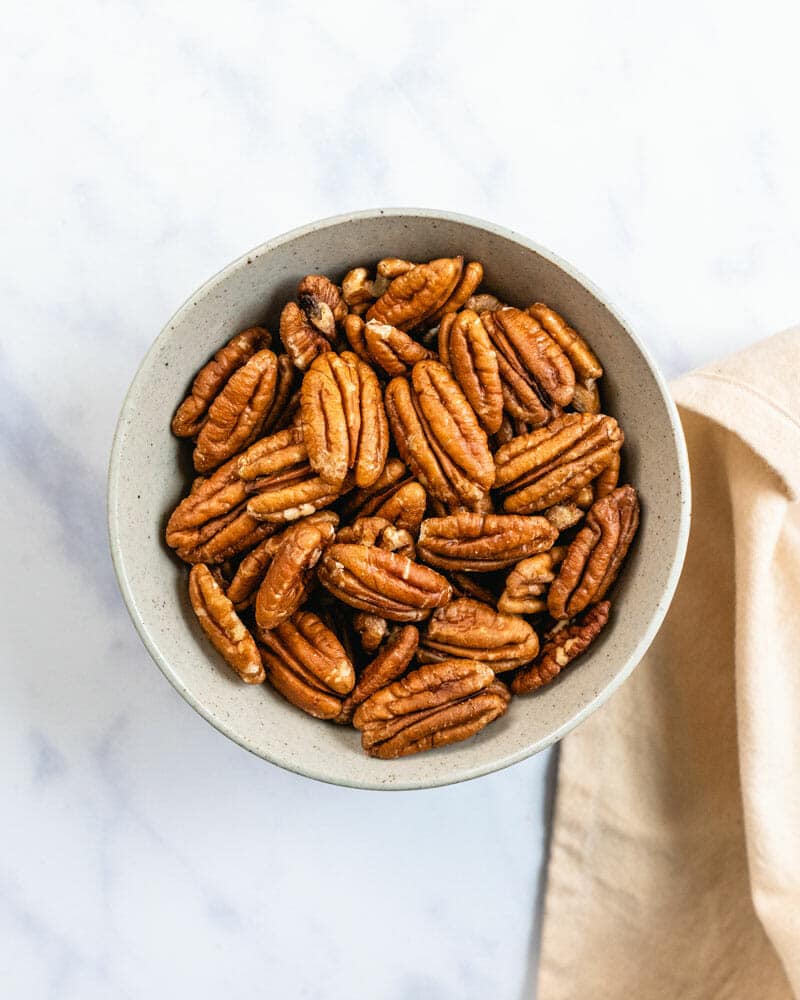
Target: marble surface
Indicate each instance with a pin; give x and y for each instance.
(144, 855)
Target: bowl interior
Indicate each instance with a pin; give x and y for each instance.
(149, 474)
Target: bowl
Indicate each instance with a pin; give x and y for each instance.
(149, 474)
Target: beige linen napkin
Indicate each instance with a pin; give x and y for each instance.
(675, 858)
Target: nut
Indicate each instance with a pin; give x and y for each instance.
(393, 267)
(282, 403)
(564, 515)
(581, 357)
(470, 630)
(371, 629)
(552, 463)
(481, 543)
(391, 348)
(391, 663)
(438, 704)
(464, 346)
(562, 645)
(379, 532)
(354, 328)
(308, 665)
(465, 585)
(484, 303)
(367, 500)
(250, 572)
(405, 508)
(322, 303)
(222, 625)
(608, 479)
(471, 277)
(190, 415)
(384, 583)
(595, 555)
(527, 582)
(303, 342)
(417, 293)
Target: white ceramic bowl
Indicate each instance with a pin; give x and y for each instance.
(149, 473)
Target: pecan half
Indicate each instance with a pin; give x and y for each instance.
(303, 342)
(388, 665)
(379, 532)
(286, 583)
(527, 583)
(535, 371)
(354, 328)
(438, 704)
(367, 500)
(282, 400)
(469, 630)
(393, 267)
(391, 348)
(464, 346)
(306, 663)
(552, 463)
(608, 479)
(405, 508)
(595, 555)
(471, 277)
(481, 543)
(322, 303)
(250, 572)
(417, 293)
(384, 583)
(562, 645)
(371, 629)
(237, 415)
(344, 420)
(219, 621)
(212, 377)
(581, 357)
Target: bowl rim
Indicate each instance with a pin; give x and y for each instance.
(466, 774)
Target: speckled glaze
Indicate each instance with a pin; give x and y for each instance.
(149, 473)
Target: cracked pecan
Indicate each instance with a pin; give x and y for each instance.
(301, 339)
(286, 583)
(417, 293)
(595, 555)
(305, 662)
(344, 420)
(384, 583)
(465, 348)
(564, 515)
(484, 303)
(482, 542)
(471, 277)
(535, 371)
(470, 630)
(191, 414)
(394, 350)
(438, 434)
(322, 303)
(378, 531)
(526, 585)
(562, 645)
(219, 621)
(390, 663)
(553, 463)
(371, 629)
(438, 704)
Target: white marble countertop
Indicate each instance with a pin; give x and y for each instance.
(147, 144)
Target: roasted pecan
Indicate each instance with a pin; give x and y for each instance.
(470, 630)
(437, 704)
(354, 328)
(552, 463)
(417, 293)
(286, 583)
(308, 665)
(608, 479)
(582, 358)
(471, 277)
(250, 572)
(282, 400)
(366, 501)
(465, 348)
(584, 498)
(391, 348)
(384, 583)
(393, 267)
(322, 303)
(484, 303)
(534, 370)
(219, 621)
(359, 291)
(563, 515)
(388, 665)
(379, 532)
(586, 398)
(371, 629)
(481, 543)
(527, 583)
(595, 555)
(344, 420)
(562, 645)
(438, 434)
(237, 415)
(303, 342)
(212, 377)
(405, 508)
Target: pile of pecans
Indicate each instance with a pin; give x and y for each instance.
(394, 504)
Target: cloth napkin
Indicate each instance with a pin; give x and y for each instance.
(675, 857)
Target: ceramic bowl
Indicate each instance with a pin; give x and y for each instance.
(149, 473)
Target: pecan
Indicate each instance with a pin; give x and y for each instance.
(212, 377)
(303, 342)
(563, 515)
(481, 543)
(562, 645)
(393, 267)
(307, 664)
(608, 479)
(470, 630)
(584, 498)
(385, 583)
(405, 508)
(392, 349)
(527, 583)
(354, 328)
(344, 420)
(464, 346)
(359, 292)
(586, 398)
(534, 370)
(552, 463)
(282, 401)
(367, 500)
(250, 572)
(471, 277)
(378, 531)
(286, 583)
(437, 704)
(581, 356)
(417, 293)
(388, 665)
(371, 629)
(322, 303)
(595, 555)
(237, 415)
(484, 303)
(438, 435)
(222, 625)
